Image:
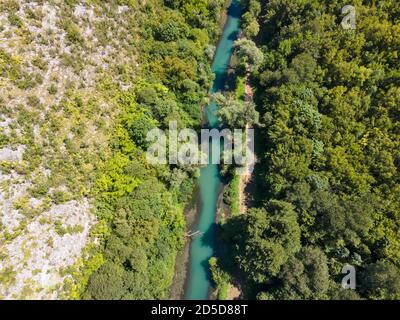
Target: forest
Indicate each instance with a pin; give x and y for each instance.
(329, 153)
(141, 207)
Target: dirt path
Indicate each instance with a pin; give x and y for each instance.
(234, 293)
(246, 177)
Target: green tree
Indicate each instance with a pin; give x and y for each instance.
(236, 113)
(381, 280)
(107, 283)
(249, 54)
(305, 276)
(264, 239)
(170, 31)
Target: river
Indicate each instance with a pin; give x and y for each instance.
(202, 247)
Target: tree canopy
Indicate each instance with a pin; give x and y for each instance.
(329, 150)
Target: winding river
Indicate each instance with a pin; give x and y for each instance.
(202, 247)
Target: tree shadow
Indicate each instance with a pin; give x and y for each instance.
(208, 239)
(233, 35)
(235, 9)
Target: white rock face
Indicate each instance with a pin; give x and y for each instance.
(41, 232)
(7, 154)
(40, 252)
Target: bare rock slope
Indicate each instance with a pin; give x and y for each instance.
(54, 127)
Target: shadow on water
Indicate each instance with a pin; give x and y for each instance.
(235, 10)
(219, 81)
(208, 239)
(233, 36)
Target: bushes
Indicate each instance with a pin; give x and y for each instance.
(170, 31)
(73, 32)
(61, 230)
(220, 278)
(15, 20)
(9, 5)
(7, 276)
(240, 92)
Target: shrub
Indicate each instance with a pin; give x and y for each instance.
(52, 89)
(15, 20)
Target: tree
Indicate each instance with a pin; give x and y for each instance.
(170, 31)
(139, 124)
(264, 239)
(249, 54)
(348, 220)
(381, 280)
(305, 276)
(235, 113)
(250, 25)
(338, 293)
(107, 283)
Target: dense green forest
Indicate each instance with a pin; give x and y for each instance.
(328, 167)
(83, 215)
(141, 207)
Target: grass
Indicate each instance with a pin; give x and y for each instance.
(240, 91)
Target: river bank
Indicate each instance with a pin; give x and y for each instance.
(177, 289)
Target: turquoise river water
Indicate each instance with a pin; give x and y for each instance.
(202, 247)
